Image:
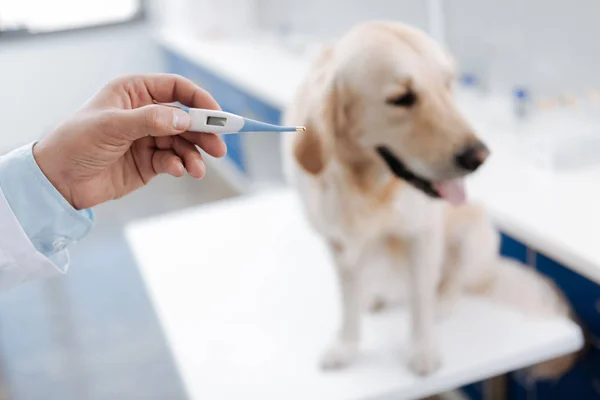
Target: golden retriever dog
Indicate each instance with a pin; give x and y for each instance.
(379, 171)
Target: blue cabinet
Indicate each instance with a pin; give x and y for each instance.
(583, 294)
(474, 391)
(583, 381)
(512, 248)
(580, 383)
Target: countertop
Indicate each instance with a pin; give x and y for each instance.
(248, 311)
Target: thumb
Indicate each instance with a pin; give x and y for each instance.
(155, 120)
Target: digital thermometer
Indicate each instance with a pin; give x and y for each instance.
(222, 122)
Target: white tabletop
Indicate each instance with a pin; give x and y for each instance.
(247, 298)
(556, 213)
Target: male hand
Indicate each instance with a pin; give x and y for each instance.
(121, 139)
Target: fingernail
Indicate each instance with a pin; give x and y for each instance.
(180, 169)
(181, 120)
(201, 169)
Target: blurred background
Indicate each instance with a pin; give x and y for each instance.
(531, 65)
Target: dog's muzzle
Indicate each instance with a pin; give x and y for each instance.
(400, 170)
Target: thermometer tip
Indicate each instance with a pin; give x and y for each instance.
(300, 129)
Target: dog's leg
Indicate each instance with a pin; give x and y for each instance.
(426, 262)
(345, 346)
(450, 289)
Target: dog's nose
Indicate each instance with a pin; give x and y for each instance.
(471, 157)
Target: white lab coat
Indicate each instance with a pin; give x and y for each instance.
(19, 260)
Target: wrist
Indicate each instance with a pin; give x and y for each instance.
(50, 166)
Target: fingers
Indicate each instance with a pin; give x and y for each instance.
(169, 88)
(186, 151)
(191, 157)
(153, 120)
(210, 143)
(167, 162)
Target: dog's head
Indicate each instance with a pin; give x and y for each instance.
(386, 89)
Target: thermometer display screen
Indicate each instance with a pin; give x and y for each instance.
(216, 121)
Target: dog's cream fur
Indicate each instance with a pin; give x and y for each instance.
(391, 242)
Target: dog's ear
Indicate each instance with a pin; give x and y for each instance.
(325, 118)
(310, 151)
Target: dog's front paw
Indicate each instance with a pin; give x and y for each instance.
(424, 360)
(339, 355)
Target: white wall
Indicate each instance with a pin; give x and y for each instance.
(549, 45)
(330, 18)
(553, 43)
(44, 79)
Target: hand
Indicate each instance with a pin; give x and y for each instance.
(120, 139)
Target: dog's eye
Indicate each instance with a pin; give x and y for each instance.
(408, 99)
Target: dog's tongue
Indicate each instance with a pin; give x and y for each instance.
(452, 191)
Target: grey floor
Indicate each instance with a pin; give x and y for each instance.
(93, 334)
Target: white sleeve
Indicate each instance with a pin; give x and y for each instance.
(19, 260)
